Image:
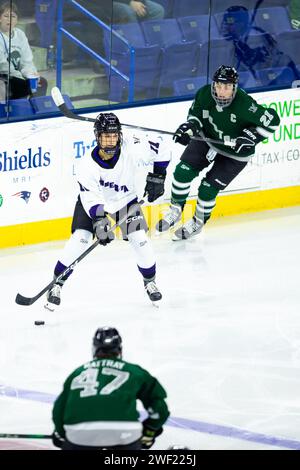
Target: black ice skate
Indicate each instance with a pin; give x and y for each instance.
(153, 292)
(53, 297)
(170, 218)
(190, 229)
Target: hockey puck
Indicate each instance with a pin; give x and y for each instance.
(38, 322)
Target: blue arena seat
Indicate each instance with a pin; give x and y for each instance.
(162, 32)
(131, 32)
(21, 107)
(179, 57)
(246, 80)
(195, 28)
(168, 6)
(45, 16)
(190, 7)
(146, 72)
(280, 76)
(275, 3)
(274, 20)
(147, 61)
(289, 43)
(45, 104)
(185, 58)
(222, 5)
(3, 110)
(216, 53)
(188, 86)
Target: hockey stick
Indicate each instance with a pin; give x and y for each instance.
(60, 103)
(25, 436)
(22, 300)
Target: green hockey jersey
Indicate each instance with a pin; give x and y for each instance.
(228, 123)
(98, 403)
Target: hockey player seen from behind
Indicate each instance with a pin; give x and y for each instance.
(224, 112)
(97, 407)
(106, 181)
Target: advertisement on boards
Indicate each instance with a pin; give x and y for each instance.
(38, 158)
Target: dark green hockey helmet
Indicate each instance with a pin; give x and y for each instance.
(107, 341)
(224, 74)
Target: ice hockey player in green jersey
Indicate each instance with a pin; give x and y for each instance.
(97, 407)
(220, 111)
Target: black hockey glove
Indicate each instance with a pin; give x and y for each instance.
(185, 132)
(149, 435)
(101, 227)
(57, 440)
(246, 142)
(155, 186)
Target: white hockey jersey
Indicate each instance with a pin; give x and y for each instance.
(114, 188)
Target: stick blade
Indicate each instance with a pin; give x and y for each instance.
(57, 96)
(60, 103)
(21, 300)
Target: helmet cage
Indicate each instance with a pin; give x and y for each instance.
(225, 74)
(108, 123)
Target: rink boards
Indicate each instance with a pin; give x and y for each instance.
(38, 182)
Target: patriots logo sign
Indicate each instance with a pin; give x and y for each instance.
(23, 195)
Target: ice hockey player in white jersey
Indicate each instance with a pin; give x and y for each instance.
(106, 181)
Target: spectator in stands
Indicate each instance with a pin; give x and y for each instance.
(128, 11)
(236, 26)
(110, 12)
(16, 60)
(294, 9)
(124, 11)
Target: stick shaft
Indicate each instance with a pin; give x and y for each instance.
(60, 103)
(22, 300)
(24, 436)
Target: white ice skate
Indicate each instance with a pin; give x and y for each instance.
(53, 297)
(170, 218)
(153, 292)
(190, 229)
